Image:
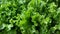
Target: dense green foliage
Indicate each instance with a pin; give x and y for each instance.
(29, 17)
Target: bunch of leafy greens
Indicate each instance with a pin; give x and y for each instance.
(29, 17)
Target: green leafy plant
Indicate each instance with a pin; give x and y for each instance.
(29, 17)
